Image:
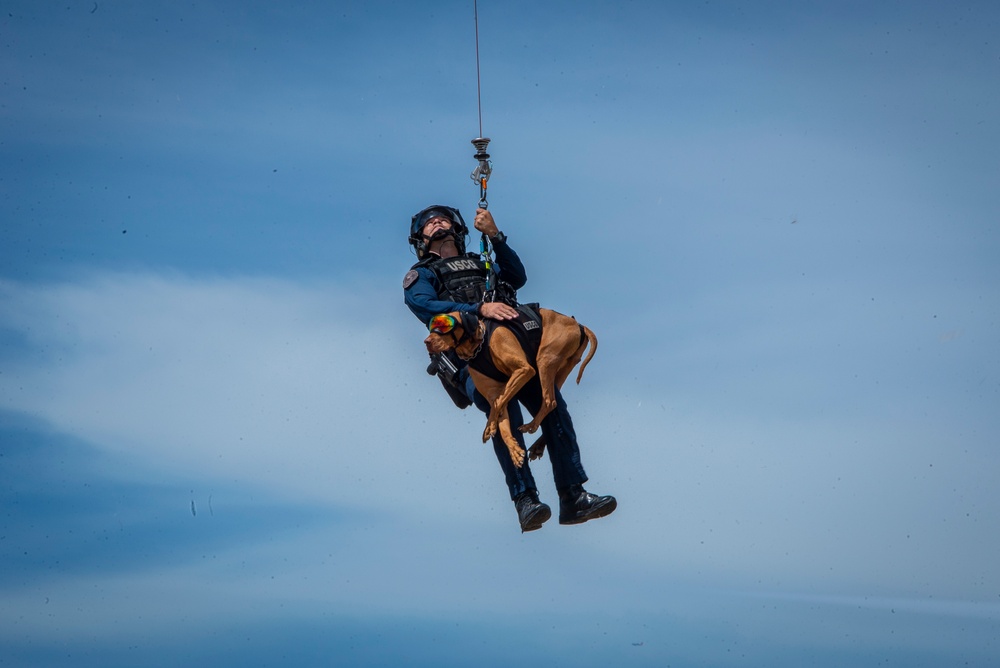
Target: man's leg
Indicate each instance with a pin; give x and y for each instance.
(530, 512)
(576, 505)
(560, 437)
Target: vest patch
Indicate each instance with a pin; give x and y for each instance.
(462, 264)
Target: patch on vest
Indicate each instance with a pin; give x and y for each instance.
(462, 264)
(531, 324)
(410, 278)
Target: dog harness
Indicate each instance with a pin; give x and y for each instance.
(528, 330)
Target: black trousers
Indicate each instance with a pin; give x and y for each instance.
(560, 438)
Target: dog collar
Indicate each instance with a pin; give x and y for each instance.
(481, 333)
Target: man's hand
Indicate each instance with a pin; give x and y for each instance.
(498, 311)
(484, 223)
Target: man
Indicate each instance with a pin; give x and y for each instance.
(447, 279)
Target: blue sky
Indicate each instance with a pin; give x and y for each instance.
(218, 445)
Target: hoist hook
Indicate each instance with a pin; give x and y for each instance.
(481, 174)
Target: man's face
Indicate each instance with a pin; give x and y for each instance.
(435, 225)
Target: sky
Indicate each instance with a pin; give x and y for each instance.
(218, 444)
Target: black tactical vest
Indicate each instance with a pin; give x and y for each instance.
(462, 278)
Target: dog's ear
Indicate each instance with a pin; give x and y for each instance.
(470, 322)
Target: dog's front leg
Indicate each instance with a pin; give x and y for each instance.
(499, 418)
(491, 389)
(555, 353)
(513, 447)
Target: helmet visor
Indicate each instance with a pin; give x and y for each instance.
(432, 214)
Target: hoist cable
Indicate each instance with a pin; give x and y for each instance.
(479, 90)
(482, 172)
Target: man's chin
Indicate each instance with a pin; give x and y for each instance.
(438, 236)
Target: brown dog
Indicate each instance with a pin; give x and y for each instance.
(563, 342)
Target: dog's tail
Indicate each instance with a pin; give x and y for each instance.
(586, 336)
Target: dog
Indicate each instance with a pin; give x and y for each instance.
(563, 342)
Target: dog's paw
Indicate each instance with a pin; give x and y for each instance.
(490, 430)
(528, 428)
(517, 456)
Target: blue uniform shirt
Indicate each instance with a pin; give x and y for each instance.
(420, 292)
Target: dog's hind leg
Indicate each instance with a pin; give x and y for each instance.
(537, 448)
(559, 351)
(547, 366)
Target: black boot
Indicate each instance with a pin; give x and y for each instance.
(577, 505)
(531, 513)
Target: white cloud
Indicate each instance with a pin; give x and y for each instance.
(318, 394)
(304, 389)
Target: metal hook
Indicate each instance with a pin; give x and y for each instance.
(481, 174)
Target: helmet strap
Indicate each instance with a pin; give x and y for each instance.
(441, 234)
(440, 238)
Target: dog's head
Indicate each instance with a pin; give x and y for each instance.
(452, 331)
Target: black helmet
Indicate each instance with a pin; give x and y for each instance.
(458, 226)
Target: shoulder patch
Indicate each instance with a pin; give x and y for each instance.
(410, 278)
